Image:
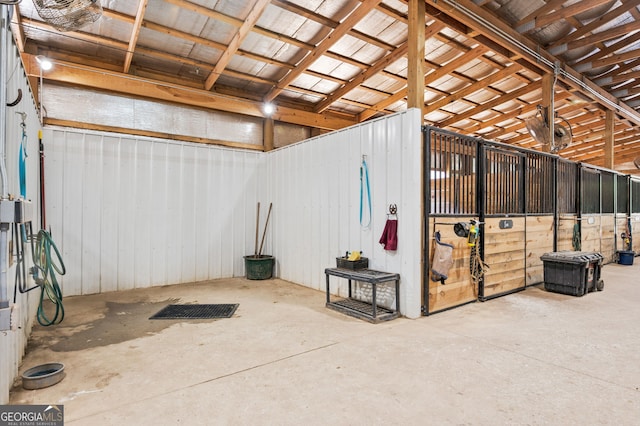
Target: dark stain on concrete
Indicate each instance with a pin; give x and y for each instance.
(122, 322)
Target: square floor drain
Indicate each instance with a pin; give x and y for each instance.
(196, 311)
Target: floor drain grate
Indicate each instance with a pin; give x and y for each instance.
(196, 311)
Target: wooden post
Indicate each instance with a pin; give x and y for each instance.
(268, 134)
(609, 126)
(547, 104)
(415, 73)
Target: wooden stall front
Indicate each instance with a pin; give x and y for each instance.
(526, 204)
(458, 288)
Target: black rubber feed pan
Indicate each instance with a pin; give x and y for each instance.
(196, 311)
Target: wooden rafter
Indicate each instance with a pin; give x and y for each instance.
(18, 31)
(236, 41)
(507, 97)
(524, 47)
(548, 7)
(360, 12)
(600, 37)
(598, 22)
(429, 78)
(479, 85)
(135, 32)
(330, 23)
(362, 77)
(559, 13)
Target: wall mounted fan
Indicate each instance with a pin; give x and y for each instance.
(68, 15)
(538, 127)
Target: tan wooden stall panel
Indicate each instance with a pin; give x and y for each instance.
(590, 233)
(565, 232)
(505, 254)
(539, 234)
(607, 238)
(459, 287)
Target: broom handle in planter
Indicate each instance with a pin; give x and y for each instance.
(255, 250)
(265, 229)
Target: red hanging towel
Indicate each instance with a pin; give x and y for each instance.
(389, 236)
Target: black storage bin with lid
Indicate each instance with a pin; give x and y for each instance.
(572, 272)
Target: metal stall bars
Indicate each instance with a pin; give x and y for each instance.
(504, 227)
(541, 213)
(450, 196)
(568, 213)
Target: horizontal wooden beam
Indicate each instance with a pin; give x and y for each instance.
(78, 75)
(147, 133)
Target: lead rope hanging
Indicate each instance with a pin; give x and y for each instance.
(364, 182)
(22, 157)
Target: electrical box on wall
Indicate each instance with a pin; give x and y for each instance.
(16, 211)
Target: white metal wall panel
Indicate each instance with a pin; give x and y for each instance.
(13, 343)
(134, 212)
(316, 188)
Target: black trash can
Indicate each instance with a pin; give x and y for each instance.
(572, 272)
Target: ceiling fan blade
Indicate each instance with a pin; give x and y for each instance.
(538, 130)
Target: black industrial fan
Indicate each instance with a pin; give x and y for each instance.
(538, 127)
(68, 15)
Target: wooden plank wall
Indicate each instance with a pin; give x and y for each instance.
(608, 237)
(505, 254)
(539, 233)
(565, 232)
(591, 227)
(458, 288)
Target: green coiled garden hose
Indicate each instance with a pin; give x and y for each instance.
(47, 269)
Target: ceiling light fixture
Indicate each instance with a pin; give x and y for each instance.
(268, 109)
(44, 63)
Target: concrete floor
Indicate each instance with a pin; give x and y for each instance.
(529, 358)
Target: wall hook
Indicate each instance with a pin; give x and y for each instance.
(17, 101)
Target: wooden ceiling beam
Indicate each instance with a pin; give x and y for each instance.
(613, 59)
(515, 114)
(135, 33)
(206, 11)
(586, 63)
(600, 37)
(548, 7)
(618, 78)
(363, 76)
(330, 23)
(244, 30)
(354, 17)
(479, 85)
(392, 57)
(501, 33)
(560, 13)
(98, 79)
(623, 8)
(503, 99)
(429, 78)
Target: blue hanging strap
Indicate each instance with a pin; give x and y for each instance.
(22, 157)
(364, 181)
